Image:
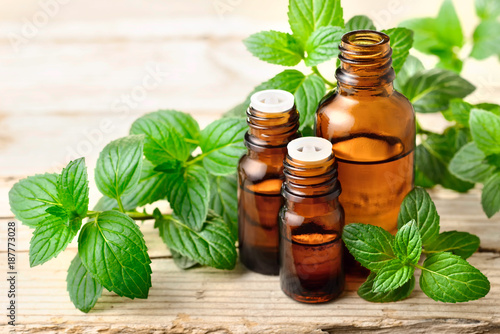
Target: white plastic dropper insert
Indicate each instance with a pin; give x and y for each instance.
(272, 101)
(309, 149)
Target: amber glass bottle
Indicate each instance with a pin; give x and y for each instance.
(372, 129)
(273, 121)
(311, 223)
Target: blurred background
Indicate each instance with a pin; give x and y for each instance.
(75, 74)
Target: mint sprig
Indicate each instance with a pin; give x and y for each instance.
(444, 276)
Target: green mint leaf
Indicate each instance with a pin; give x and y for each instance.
(449, 30)
(462, 244)
(366, 292)
(307, 98)
(73, 188)
(112, 248)
(370, 245)
(408, 243)
(222, 144)
(163, 143)
(401, 42)
(83, 289)
(470, 164)
(494, 108)
(490, 197)
(360, 22)
(212, 246)
(437, 171)
(392, 276)
(323, 44)
(183, 262)
(288, 80)
(460, 112)
(307, 16)
(449, 60)
(168, 167)
(486, 43)
(50, 238)
(425, 35)
(224, 200)
(31, 197)
(118, 168)
(487, 9)
(411, 66)
(418, 206)
(449, 278)
(421, 180)
(275, 47)
(430, 91)
(58, 211)
(182, 122)
(188, 195)
(485, 129)
(151, 188)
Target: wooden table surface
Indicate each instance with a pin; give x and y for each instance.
(85, 68)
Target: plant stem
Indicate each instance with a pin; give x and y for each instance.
(196, 159)
(120, 205)
(140, 216)
(191, 141)
(329, 83)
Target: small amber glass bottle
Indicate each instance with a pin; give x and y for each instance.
(372, 128)
(311, 223)
(273, 121)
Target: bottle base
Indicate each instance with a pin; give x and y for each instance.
(260, 261)
(313, 298)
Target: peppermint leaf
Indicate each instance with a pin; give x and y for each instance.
(401, 42)
(188, 195)
(51, 237)
(449, 278)
(392, 276)
(307, 16)
(360, 22)
(183, 262)
(411, 66)
(430, 91)
(113, 250)
(490, 197)
(307, 98)
(275, 47)
(182, 122)
(485, 129)
(487, 9)
(224, 200)
(58, 211)
(212, 246)
(162, 141)
(418, 206)
(222, 145)
(470, 164)
(486, 44)
(449, 30)
(83, 289)
(462, 244)
(408, 243)
(73, 188)
(322, 45)
(370, 245)
(366, 292)
(118, 168)
(31, 197)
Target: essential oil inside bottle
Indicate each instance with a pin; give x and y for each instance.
(311, 223)
(273, 122)
(372, 129)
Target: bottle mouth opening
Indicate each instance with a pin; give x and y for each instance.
(365, 38)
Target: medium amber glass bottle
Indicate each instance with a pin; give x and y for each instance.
(273, 121)
(372, 129)
(311, 223)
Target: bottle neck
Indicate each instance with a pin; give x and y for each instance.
(365, 64)
(271, 130)
(316, 181)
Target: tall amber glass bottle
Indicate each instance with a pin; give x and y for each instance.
(311, 223)
(273, 121)
(372, 129)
